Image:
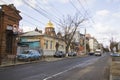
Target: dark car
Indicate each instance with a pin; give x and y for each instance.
(29, 55)
(72, 54)
(59, 54)
(91, 53)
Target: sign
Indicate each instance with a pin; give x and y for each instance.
(15, 29)
(32, 40)
(9, 28)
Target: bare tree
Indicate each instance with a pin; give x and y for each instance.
(69, 26)
(113, 45)
(57, 46)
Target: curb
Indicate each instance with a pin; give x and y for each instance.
(15, 64)
(41, 60)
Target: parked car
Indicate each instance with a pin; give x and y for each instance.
(29, 55)
(59, 54)
(98, 52)
(72, 54)
(115, 54)
(91, 53)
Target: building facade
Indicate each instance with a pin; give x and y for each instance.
(78, 39)
(93, 44)
(9, 25)
(45, 42)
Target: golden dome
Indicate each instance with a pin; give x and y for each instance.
(50, 24)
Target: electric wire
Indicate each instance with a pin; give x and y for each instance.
(40, 12)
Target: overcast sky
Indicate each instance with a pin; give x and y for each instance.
(103, 22)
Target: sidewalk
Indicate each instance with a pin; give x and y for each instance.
(48, 59)
(7, 63)
(115, 68)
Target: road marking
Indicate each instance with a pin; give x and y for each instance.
(86, 63)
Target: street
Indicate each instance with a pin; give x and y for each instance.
(84, 68)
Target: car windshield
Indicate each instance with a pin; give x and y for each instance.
(25, 52)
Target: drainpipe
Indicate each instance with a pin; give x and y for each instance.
(1, 35)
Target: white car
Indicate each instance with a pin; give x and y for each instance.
(98, 52)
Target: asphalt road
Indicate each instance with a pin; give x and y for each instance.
(85, 68)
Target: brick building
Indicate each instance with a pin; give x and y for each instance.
(9, 25)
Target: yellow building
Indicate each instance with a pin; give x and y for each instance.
(49, 40)
(48, 45)
(46, 42)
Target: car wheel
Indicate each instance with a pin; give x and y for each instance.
(29, 59)
(38, 58)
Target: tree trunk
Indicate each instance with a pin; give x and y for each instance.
(67, 49)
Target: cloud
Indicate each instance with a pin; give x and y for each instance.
(102, 12)
(113, 1)
(49, 1)
(2, 2)
(99, 27)
(64, 1)
(89, 2)
(100, 19)
(17, 2)
(27, 28)
(106, 25)
(32, 3)
(117, 14)
(45, 1)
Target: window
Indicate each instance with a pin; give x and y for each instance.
(46, 44)
(62, 46)
(51, 45)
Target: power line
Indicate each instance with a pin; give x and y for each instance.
(76, 8)
(89, 10)
(86, 13)
(29, 22)
(32, 18)
(44, 10)
(55, 8)
(27, 16)
(43, 14)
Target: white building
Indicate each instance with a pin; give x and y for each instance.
(93, 44)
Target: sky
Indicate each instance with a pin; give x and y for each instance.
(102, 23)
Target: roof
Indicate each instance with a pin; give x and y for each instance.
(50, 24)
(32, 33)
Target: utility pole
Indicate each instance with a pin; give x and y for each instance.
(85, 42)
